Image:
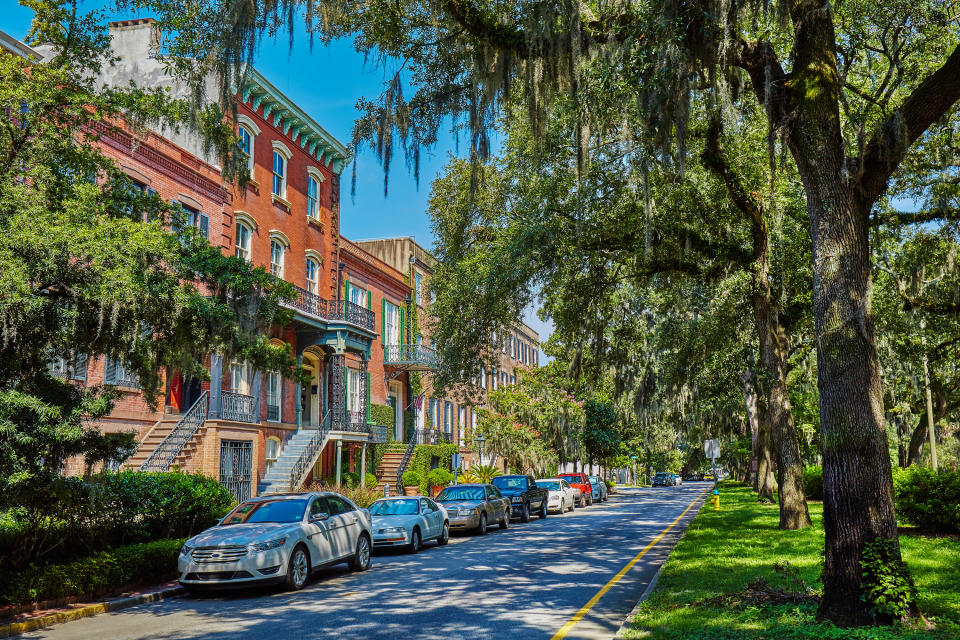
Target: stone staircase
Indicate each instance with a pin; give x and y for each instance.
(277, 479)
(387, 469)
(156, 435)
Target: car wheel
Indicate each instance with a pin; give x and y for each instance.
(525, 513)
(482, 529)
(361, 557)
(505, 522)
(543, 509)
(414, 541)
(298, 568)
(444, 535)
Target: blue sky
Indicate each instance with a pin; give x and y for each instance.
(326, 83)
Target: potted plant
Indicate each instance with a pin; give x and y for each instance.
(437, 479)
(411, 483)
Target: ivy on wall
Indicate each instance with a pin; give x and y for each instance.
(382, 414)
(413, 330)
(424, 457)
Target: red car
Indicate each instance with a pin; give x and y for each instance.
(581, 483)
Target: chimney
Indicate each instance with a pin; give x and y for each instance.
(138, 38)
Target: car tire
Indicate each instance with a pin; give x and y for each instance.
(505, 522)
(543, 509)
(298, 569)
(361, 557)
(444, 536)
(415, 541)
(482, 529)
(525, 512)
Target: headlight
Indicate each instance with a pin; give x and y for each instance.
(259, 547)
(393, 530)
(185, 550)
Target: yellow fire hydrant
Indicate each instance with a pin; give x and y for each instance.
(716, 500)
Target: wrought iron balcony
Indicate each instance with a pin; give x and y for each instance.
(309, 303)
(412, 357)
(350, 312)
(239, 407)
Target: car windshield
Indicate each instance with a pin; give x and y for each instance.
(551, 485)
(395, 508)
(266, 511)
(662, 475)
(510, 482)
(451, 494)
(572, 479)
(595, 479)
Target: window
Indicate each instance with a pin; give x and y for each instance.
(246, 147)
(313, 198)
(240, 378)
(391, 323)
(503, 378)
(353, 390)
(279, 174)
(418, 288)
(191, 218)
(356, 295)
(483, 377)
(448, 417)
(313, 269)
(433, 411)
(276, 258)
(243, 242)
(271, 451)
(114, 372)
(274, 394)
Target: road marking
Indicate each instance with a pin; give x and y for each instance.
(579, 615)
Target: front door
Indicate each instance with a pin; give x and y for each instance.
(394, 401)
(236, 467)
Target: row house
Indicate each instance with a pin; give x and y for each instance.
(453, 414)
(254, 430)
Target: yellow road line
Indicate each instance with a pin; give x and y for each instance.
(578, 616)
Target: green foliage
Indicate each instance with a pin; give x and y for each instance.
(887, 585)
(363, 497)
(813, 483)
(439, 477)
(382, 414)
(480, 473)
(427, 457)
(370, 480)
(928, 499)
(411, 478)
(349, 480)
(99, 574)
(600, 437)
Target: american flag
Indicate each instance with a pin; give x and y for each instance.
(418, 401)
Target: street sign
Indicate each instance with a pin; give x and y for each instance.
(455, 461)
(711, 448)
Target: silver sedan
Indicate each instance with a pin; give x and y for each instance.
(474, 506)
(408, 522)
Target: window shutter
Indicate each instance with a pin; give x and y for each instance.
(402, 326)
(204, 224)
(346, 387)
(78, 367)
(369, 300)
(368, 396)
(346, 290)
(109, 371)
(383, 321)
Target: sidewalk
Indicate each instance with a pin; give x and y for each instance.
(33, 620)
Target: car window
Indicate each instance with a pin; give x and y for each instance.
(460, 493)
(433, 505)
(552, 485)
(424, 507)
(496, 492)
(510, 482)
(319, 506)
(393, 508)
(338, 505)
(566, 485)
(266, 511)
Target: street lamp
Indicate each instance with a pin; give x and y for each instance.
(480, 440)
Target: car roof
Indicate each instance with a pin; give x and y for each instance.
(512, 475)
(472, 484)
(391, 498)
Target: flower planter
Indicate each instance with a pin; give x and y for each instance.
(411, 491)
(435, 491)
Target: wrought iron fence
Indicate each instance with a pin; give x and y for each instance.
(409, 354)
(310, 453)
(350, 312)
(308, 302)
(168, 449)
(419, 436)
(239, 407)
(236, 467)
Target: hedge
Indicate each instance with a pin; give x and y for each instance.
(813, 483)
(423, 454)
(383, 415)
(94, 575)
(928, 499)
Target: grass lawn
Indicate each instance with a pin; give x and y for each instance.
(701, 592)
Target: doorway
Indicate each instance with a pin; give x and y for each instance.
(394, 399)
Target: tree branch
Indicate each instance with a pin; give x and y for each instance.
(890, 142)
(759, 59)
(901, 218)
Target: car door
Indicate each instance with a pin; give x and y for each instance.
(495, 498)
(318, 532)
(428, 518)
(535, 490)
(344, 524)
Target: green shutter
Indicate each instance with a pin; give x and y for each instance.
(383, 321)
(368, 397)
(402, 324)
(369, 300)
(346, 289)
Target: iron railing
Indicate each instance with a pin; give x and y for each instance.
(309, 303)
(350, 312)
(409, 354)
(310, 453)
(378, 434)
(419, 436)
(239, 407)
(182, 432)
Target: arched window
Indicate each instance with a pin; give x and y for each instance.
(271, 451)
(244, 234)
(246, 146)
(314, 178)
(281, 157)
(276, 258)
(313, 272)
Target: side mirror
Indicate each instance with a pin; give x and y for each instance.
(319, 517)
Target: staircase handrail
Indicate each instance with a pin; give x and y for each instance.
(310, 453)
(182, 432)
(407, 455)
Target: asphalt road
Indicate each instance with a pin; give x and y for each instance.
(526, 582)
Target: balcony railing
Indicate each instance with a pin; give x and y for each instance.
(337, 310)
(378, 434)
(409, 356)
(239, 407)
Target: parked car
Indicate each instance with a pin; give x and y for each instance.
(580, 482)
(473, 506)
(560, 495)
(663, 479)
(277, 538)
(677, 480)
(524, 494)
(693, 477)
(599, 488)
(408, 522)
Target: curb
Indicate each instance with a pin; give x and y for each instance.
(88, 611)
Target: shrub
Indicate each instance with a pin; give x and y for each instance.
(382, 414)
(813, 483)
(94, 575)
(439, 477)
(362, 497)
(411, 479)
(611, 485)
(928, 499)
(371, 480)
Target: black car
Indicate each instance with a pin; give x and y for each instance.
(525, 496)
(663, 479)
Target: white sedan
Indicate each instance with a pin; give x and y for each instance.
(561, 495)
(277, 538)
(408, 522)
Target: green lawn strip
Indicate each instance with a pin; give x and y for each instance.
(724, 551)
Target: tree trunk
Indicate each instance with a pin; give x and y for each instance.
(750, 400)
(765, 480)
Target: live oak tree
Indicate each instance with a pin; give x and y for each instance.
(92, 266)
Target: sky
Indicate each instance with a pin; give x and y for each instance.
(326, 83)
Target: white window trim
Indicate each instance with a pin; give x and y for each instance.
(248, 122)
(284, 152)
(316, 255)
(281, 148)
(280, 236)
(307, 260)
(315, 173)
(245, 218)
